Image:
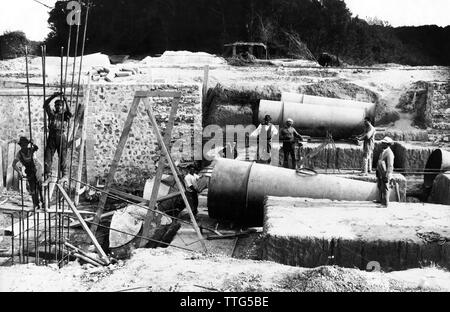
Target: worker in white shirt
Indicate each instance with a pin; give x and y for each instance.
(385, 170)
(368, 138)
(265, 132)
(190, 182)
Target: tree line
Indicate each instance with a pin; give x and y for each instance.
(150, 27)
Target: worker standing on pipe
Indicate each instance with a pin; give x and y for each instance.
(385, 170)
(33, 169)
(288, 136)
(368, 138)
(265, 132)
(57, 140)
(190, 182)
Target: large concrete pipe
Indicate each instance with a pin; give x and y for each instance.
(237, 189)
(315, 120)
(438, 162)
(325, 101)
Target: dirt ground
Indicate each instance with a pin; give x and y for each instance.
(172, 270)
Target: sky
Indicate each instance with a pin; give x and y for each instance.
(31, 17)
(403, 12)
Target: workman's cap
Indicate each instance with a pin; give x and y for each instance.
(290, 120)
(23, 140)
(387, 140)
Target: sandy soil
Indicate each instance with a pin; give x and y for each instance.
(173, 270)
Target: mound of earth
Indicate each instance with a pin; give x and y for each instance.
(173, 270)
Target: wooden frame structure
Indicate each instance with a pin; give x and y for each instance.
(163, 142)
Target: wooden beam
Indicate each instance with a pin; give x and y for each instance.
(140, 199)
(83, 140)
(115, 163)
(205, 84)
(167, 94)
(84, 225)
(159, 171)
(9, 169)
(1, 168)
(105, 215)
(174, 171)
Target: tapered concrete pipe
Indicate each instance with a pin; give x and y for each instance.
(315, 120)
(325, 101)
(237, 189)
(438, 162)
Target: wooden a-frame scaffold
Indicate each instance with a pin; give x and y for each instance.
(165, 155)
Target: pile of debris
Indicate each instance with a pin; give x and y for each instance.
(110, 73)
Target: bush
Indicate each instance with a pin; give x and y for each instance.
(12, 44)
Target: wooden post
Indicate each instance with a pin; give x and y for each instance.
(84, 225)
(9, 168)
(83, 140)
(160, 170)
(205, 84)
(174, 171)
(1, 167)
(115, 163)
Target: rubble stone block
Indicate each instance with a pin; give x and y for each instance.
(311, 233)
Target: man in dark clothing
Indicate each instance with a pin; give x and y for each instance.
(288, 136)
(33, 169)
(56, 140)
(385, 170)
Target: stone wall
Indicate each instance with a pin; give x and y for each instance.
(107, 111)
(439, 103)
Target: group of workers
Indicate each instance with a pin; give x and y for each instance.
(289, 138)
(58, 117)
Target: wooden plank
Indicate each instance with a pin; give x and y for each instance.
(9, 168)
(4, 163)
(83, 140)
(115, 163)
(140, 199)
(91, 235)
(174, 171)
(105, 215)
(159, 171)
(167, 94)
(1, 169)
(205, 84)
(90, 160)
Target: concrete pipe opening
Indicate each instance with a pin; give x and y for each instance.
(237, 189)
(439, 161)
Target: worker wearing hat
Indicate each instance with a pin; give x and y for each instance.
(368, 138)
(289, 136)
(190, 181)
(33, 169)
(264, 134)
(385, 170)
(56, 141)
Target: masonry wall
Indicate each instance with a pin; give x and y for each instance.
(439, 103)
(106, 113)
